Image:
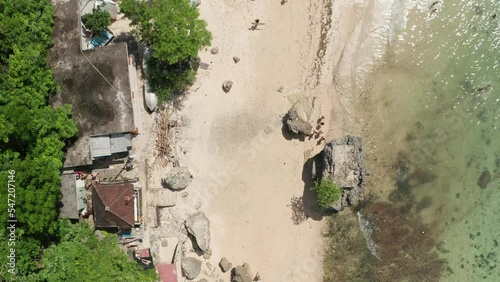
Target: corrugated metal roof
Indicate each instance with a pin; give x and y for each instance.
(120, 142)
(105, 145)
(100, 146)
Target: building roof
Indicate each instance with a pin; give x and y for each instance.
(101, 104)
(167, 272)
(105, 145)
(69, 207)
(113, 205)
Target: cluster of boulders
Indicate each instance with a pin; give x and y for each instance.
(240, 273)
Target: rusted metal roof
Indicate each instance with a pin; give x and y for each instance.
(113, 205)
(167, 272)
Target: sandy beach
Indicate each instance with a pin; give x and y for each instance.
(248, 178)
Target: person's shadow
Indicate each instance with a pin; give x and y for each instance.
(283, 2)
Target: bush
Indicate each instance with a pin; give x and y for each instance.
(328, 193)
(97, 21)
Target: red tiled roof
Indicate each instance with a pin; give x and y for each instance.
(167, 272)
(113, 205)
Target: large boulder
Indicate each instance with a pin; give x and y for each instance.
(342, 160)
(225, 265)
(198, 226)
(191, 267)
(297, 121)
(177, 178)
(242, 274)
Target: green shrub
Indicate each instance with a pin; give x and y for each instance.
(97, 21)
(328, 193)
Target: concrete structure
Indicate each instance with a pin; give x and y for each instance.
(95, 82)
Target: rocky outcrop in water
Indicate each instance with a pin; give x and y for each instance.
(342, 160)
(177, 178)
(198, 226)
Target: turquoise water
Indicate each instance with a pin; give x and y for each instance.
(429, 115)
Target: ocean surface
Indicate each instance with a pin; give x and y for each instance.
(424, 80)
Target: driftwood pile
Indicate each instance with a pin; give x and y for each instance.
(163, 150)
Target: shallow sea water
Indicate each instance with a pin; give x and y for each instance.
(429, 115)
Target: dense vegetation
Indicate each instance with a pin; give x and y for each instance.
(32, 141)
(32, 134)
(98, 20)
(176, 34)
(328, 193)
(84, 256)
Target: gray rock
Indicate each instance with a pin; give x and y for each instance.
(225, 265)
(214, 50)
(198, 225)
(236, 59)
(257, 277)
(177, 178)
(227, 85)
(184, 194)
(191, 267)
(297, 122)
(484, 179)
(342, 160)
(242, 273)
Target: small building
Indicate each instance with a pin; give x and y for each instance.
(103, 146)
(115, 205)
(74, 196)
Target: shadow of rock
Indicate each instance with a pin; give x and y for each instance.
(309, 199)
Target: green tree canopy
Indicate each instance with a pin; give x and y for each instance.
(171, 27)
(328, 193)
(81, 256)
(98, 20)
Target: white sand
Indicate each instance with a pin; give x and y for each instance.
(245, 172)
